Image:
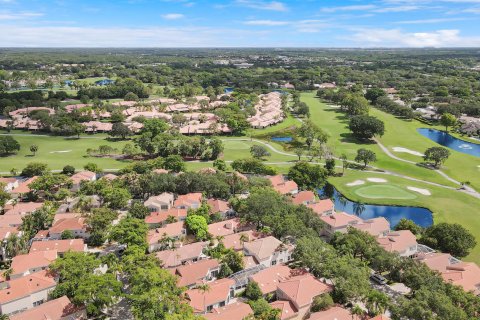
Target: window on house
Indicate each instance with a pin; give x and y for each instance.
(37, 303)
(209, 308)
(274, 262)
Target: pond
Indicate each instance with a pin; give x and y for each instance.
(450, 141)
(282, 139)
(421, 216)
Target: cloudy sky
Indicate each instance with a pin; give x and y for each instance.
(239, 23)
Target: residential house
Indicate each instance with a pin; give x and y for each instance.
(402, 242)
(158, 219)
(375, 226)
(300, 291)
(197, 272)
(287, 309)
(25, 264)
(304, 197)
(78, 177)
(11, 220)
(22, 208)
(454, 271)
(236, 241)
(185, 254)
(10, 183)
(220, 206)
(283, 186)
(334, 313)
(172, 231)
(159, 203)
(77, 225)
(189, 201)
(22, 188)
(339, 222)
(224, 228)
(61, 246)
(26, 292)
(269, 278)
(322, 207)
(233, 311)
(57, 309)
(220, 293)
(268, 251)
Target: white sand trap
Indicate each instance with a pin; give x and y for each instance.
(425, 192)
(355, 183)
(380, 180)
(61, 151)
(405, 150)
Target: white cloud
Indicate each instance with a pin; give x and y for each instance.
(402, 8)
(263, 5)
(173, 16)
(397, 38)
(4, 15)
(266, 23)
(475, 10)
(348, 8)
(426, 21)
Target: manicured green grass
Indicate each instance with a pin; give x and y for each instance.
(289, 122)
(447, 205)
(74, 152)
(335, 123)
(384, 191)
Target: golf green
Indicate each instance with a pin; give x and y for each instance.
(384, 191)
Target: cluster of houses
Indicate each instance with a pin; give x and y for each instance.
(196, 119)
(24, 292)
(268, 111)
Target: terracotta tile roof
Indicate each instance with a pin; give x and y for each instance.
(282, 186)
(11, 220)
(76, 223)
(60, 246)
(82, 176)
(25, 286)
(301, 290)
(263, 248)
(233, 311)
(57, 309)
(23, 207)
(173, 258)
(6, 231)
(224, 228)
(157, 201)
(303, 197)
(232, 241)
(195, 272)
(375, 227)
(7, 180)
(109, 176)
(334, 313)
(397, 241)
(175, 229)
(380, 317)
(188, 199)
(249, 262)
(24, 262)
(287, 309)
(268, 279)
(436, 261)
(217, 205)
(219, 291)
(322, 206)
(341, 219)
(162, 216)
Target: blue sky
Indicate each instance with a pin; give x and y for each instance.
(239, 23)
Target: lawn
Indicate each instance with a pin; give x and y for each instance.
(447, 205)
(399, 133)
(384, 191)
(60, 151)
(289, 122)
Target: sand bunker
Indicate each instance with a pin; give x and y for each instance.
(61, 151)
(425, 192)
(355, 183)
(376, 180)
(405, 150)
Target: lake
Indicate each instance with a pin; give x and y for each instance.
(421, 216)
(282, 139)
(449, 141)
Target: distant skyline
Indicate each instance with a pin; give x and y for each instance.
(240, 23)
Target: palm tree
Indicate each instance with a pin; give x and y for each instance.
(14, 244)
(357, 311)
(345, 163)
(358, 208)
(204, 288)
(243, 238)
(377, 303)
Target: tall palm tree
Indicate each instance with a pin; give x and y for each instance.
(377, 303)
(358, 208)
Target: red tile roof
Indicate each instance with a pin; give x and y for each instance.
(341, 219)
(322, 206)
(60, 246)
(162, 216)
(301, 290)
(233, 311)
(287, 309)
(57, 309)
(303, 197)
(25, 286)
(83, 176)
(268, 279)
(76, 223)
(397, 241)
(173, 258)
(23, 187)
(224, 228)
(334, 313)
(375, 227)
(219, 291)
(188, 199)
(175, 229)
(217, 205)
(192, 273)
(24, 262)
(232, 241)
(23, 207)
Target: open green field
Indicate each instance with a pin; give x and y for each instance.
(398, 133)
(381, 191)
(447, 205)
